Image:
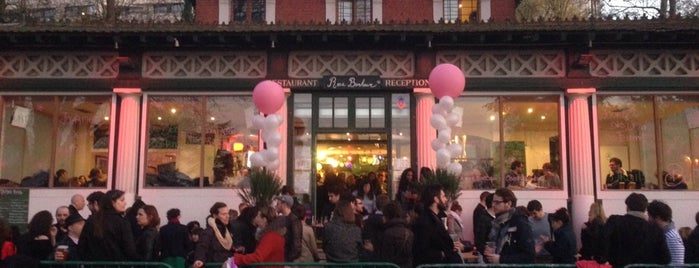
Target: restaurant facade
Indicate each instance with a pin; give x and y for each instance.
(164, 111)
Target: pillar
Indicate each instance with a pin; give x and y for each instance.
(425, 133)
(580, 152)
(126, 168)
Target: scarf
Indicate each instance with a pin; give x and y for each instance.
(457, 218)
(498, 223)
(227, 241)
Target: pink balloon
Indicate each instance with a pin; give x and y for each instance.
(447, 80)
(268, 96)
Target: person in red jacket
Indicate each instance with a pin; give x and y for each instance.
(270, 246)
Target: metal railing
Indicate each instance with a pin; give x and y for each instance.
(104, 264)
(525, 265)
(313, 264)
(641, 265)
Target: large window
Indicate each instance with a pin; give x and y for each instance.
(460, 10)
(196, 141)
(249, 10)
(54, 141)
(498, 133)
(350, 11)
(654, 137)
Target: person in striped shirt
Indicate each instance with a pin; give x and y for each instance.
(660, 214)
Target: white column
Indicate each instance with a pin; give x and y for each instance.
(283, 150)
(125, 177)
(224, 11)
(377, 10)
(438, 10)
(331, 10)
(270, 11)
(582, 180)
(426, 157)
(485, 10)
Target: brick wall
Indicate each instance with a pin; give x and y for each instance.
(302, 11)
(502, 10)
(402, 10)
(207, 11)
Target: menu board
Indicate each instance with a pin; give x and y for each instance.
(14, 207)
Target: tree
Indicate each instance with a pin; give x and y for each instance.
(548, 9)
(649, 8)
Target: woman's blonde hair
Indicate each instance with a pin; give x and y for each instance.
(597, 212)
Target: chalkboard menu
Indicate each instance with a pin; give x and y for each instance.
(14, 207)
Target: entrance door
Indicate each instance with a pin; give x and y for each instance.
(352, 143)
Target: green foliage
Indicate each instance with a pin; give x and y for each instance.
(264, 185)
(448, 181)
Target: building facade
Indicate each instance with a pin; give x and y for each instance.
(165, 111)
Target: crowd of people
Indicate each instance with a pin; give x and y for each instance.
(419, 226)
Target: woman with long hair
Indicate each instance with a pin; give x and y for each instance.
(367, 194)
(39, 241)
(591, 234)
(106, 235)
(406, 195)
(148, 242)
(270, 246)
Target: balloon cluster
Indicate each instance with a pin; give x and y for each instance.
(268, 97)
(446, 82)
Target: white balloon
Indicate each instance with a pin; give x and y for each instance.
(437, 144)
(455, 150)
(258, 121)
(271, 154)
(443, 158)
(271, 123)
(257, 159)
(455, 169)
(444, 135)
(436, 109)
(447, 103)
(274, 139)
(452, 119)
(438, 121)
(277, 119)
(274, 165)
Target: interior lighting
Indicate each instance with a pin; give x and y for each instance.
(213, 118)
(530, 110)
(173, 110)
(492, 118)
(106, 118)
(543, 117)
(160, 118)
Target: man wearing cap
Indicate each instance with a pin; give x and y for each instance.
(74, 223)
(293, 237)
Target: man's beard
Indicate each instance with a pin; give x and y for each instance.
(441, 206)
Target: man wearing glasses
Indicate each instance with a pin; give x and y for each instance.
(511, 236)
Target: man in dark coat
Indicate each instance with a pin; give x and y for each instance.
(174, 239)
(481, 222)
(511, 232)
(432, 241)
(630, 238)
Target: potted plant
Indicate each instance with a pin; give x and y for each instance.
(264, 185)
(448, 181)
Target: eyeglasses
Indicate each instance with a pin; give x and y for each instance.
(498, 202)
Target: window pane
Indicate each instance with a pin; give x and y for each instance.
(451, 10)
(378, 113)
(325, 114)
(679, 127)
(239, 11)
(364, 11)
(229, 141)
(362, 112)
(344, 11)
(531, 135)
(82, 141)
(44, 134)
(258, 11)
(303, 131)
(627, 132)
(468, 10)
(478, 132)
(401, 133)
(175, 138)
(341, 108)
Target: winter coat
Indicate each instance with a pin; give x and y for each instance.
(148, 244)
(564, 245)
(432, 242)
(395, 244)
(341, 241)
(691, 253)
(209, 249)
(514, 239)
(631, 239)
(270, 247)
(174, 240)
(591, 239)
(116, 244)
